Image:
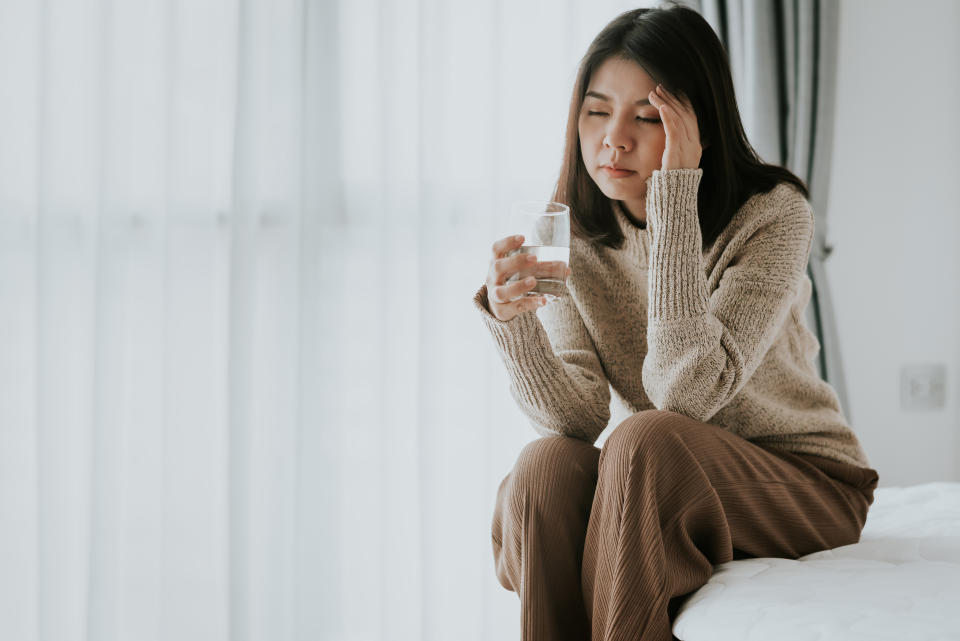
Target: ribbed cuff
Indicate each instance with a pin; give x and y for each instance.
(515, 336)
(677, 282)
(540, 385)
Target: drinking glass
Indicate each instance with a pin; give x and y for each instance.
(545, 226)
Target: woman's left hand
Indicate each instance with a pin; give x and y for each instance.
(683, 148)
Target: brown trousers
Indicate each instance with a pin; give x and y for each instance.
(605, 545)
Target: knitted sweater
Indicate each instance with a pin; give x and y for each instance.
(717, 334)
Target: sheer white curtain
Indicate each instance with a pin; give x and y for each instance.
(244, 393)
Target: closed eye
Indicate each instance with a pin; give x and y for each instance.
(640, 118)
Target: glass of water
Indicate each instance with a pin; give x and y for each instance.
(545, 226)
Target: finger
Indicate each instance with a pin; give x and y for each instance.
(551, 269)
(681, 106)
(504, 268)
(659, 102)
(535, 302)
(677, 124)
(655, 99)
(669, 123)
(664, 95)
(503, 246)
(684, 109)
(512, 293)
(530, 302)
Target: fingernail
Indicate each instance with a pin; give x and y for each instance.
(528, 280)
(531, 258)
(518, 237)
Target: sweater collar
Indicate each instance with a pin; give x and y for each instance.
(626, 223)
(637, 239)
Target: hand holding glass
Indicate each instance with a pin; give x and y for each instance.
(545, 227)
(517, 281)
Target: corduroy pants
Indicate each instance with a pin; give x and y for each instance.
(605, 545)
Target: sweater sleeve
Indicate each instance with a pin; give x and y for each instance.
(561, 388)
(703, 348)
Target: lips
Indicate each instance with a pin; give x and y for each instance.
(617, 172)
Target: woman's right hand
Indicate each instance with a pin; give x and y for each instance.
(502, 266)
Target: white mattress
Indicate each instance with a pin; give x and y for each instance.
(901, 581)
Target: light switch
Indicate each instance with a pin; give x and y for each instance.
(923, 386)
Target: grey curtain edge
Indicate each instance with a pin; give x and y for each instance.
(825, 15)
(831, 363)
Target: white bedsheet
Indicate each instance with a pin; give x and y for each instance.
(901, 581)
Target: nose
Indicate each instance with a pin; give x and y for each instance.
(618, 136)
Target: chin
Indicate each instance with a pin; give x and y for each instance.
(613, 194)
(612, 191)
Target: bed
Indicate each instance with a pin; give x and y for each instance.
(901, 581)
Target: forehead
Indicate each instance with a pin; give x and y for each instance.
(622, 80)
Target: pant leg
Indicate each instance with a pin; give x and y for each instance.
(539, 525)
(675, 497)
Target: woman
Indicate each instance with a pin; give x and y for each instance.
(686, 294)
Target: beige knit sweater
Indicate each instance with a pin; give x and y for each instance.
(717, 334)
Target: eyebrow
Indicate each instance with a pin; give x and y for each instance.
(594, 94)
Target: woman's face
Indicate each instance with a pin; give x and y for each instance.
(618, 126)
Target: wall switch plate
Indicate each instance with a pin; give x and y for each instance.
(923, 386)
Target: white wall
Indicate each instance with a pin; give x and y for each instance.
(894, 222)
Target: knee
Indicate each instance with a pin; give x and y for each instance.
(556, 467)
(647, 432)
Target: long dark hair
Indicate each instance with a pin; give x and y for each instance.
(677, 47)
